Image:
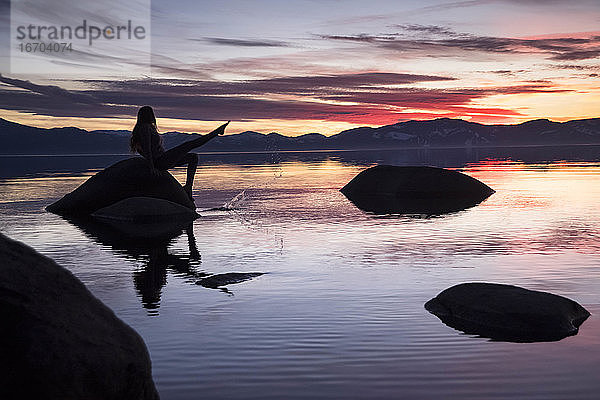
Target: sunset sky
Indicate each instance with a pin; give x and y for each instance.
(296, 67)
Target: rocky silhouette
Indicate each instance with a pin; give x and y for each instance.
(128, 178)
(507, 313)
(60, 342)
(441, 132)
(387, 189)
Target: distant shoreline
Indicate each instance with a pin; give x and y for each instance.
(435, 134)
(317, 150)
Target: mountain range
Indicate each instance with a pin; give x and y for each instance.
(441, 132)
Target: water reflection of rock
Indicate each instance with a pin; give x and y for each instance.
(150, 243)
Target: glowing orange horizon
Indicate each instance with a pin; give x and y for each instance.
(284, 127)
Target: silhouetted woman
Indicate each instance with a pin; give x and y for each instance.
(147, 142)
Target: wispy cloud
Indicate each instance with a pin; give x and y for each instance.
(440, 41)
(294, 85)
(578, 67)
(426, 29)
(450, 6)
(357, 98)
(444, 7)
(243, 42)
(55, 92)
(576, 55)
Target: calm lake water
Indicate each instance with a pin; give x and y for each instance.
(340, 313)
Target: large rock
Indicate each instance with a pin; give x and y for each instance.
(508, 313)
(387, 189)
(128, 178)
(58, 341)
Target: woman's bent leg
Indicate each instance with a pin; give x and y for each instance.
(174, 157)
(191, 159)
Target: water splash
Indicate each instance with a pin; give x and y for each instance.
(235, 202)
(239, 200)
(251, 218)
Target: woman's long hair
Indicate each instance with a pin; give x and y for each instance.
(145, 116)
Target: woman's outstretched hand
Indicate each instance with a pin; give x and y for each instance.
(221, 130)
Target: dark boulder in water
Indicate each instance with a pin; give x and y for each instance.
(60, 342)
(507, 313)
(387, 189)
(128, 178)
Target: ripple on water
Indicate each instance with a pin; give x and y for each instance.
(340, 314)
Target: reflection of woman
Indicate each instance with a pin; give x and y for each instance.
(150, 280)
(146, 141)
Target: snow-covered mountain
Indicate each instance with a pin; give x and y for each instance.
(442, 132)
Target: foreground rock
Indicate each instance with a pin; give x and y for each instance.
(128, 178)
(58, 341)
(508, 313)
(387, 189)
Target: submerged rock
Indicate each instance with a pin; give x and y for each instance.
(128, 178)
(230, 278)
(507, 313)
(387, 189)
(136, 222)
(144, 210)
(60, 342)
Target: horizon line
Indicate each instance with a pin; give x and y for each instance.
(318, 133)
